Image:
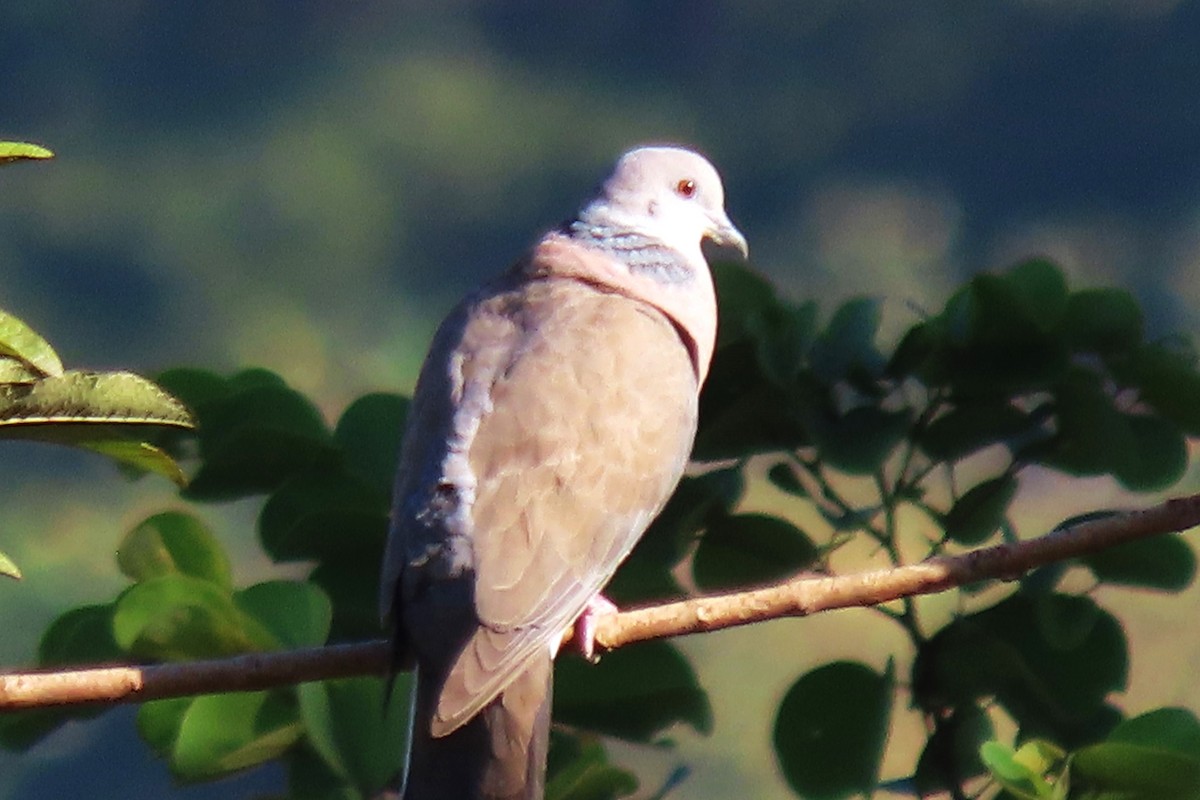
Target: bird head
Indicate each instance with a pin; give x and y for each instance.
(670, 194)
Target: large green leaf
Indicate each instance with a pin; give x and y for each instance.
(51, 406)
(831, 728)
(255, 437)
(358, 728)
(1106, 321)
(1165, 562)
(1167, 378)
(296, 521)
(973, 425)
(846, 348)
(1041, 292)
(296, 613)
(860, 440)
(223, 733)
(981, 511)
(178, 617)
(1051, 660)
(743, 550)
(632, 693)
(742, 411)
(352, 585)
(82, 635)
(174, 542)
(951, 754)
(369, 433)
(1136, 772)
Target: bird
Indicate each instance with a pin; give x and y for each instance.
(552, 418)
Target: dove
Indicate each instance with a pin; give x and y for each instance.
(552, 418)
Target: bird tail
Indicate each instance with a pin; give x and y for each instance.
(499, 754)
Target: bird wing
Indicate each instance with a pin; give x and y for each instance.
(587, 425)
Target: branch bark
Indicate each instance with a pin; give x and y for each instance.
(797, 597)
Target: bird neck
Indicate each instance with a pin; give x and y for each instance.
(642, 253)
(686, 298)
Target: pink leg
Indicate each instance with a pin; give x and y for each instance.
(585, 626)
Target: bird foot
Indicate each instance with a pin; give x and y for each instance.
(585, 625)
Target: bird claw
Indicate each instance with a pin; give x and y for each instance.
(585, 625)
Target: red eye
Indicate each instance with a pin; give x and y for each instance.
(685, 188)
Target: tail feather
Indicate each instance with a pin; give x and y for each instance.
(500, 754)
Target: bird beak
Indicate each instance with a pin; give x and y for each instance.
(723, 233)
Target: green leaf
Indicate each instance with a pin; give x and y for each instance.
(1105, 321)
(137, 456)
(87, 398)
(782, 337)
(1168, 381)
(980, 512)
(195, 387)
(846, 348)
(743, 550)
(648, 572)
(1174, 729)
(352, 585)
(360, 736)
(223, 733)
(174, 543)
(159, 721)
(1041, 292)
(1029, 773)
(297, 614)
(178, 617)
(995, 341)
(633, 693)
(973, 425)
(19, 341)
(296, 520)
(369, 433)
(310, 778)
(22, 151)
(831, 728)
(1050, 661)
(920, 351)
(1165, 562)
(1156, 456)
(743, 297)
(1136, 772)
(951, 754)
(79, 636)
(586, 774)
(9, 568)
(742, 411)
(860, 440)
(255, 438)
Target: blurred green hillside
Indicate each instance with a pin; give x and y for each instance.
(308, 185)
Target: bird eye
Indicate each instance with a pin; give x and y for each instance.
(686, 188)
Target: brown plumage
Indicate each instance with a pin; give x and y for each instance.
(553, 417)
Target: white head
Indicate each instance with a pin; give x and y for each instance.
(670, 194)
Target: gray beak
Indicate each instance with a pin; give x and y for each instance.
(724, 234)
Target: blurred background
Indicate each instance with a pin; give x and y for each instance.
(308, 185)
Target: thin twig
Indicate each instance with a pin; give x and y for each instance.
(797, 597)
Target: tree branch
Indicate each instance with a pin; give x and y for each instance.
(794, 598)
